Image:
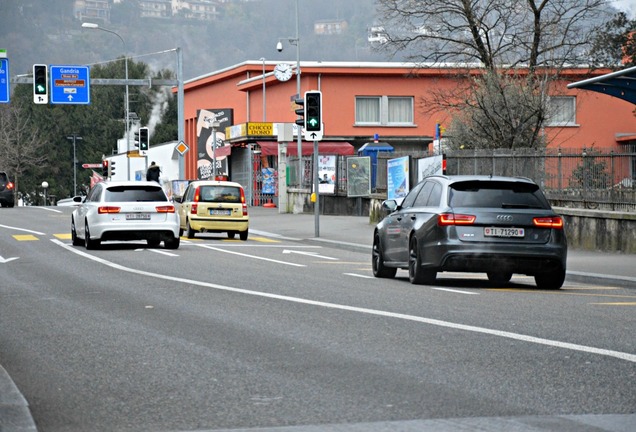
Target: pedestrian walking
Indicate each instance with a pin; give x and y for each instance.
(153, 173)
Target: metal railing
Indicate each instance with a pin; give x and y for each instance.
(578, 178)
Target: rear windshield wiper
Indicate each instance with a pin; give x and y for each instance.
(520, 206)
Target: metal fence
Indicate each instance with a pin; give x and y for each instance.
(578, 178)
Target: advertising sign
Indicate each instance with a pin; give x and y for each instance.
(397, 178)
(358, 176)
(327, 174)
(205, 142)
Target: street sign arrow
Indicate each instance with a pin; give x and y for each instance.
(6, 260)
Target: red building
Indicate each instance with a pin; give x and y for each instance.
(360, 101)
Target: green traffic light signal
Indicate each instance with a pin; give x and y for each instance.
(40, 79)
(313, 111)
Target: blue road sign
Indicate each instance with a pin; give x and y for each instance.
(70, 84)
(4, 80)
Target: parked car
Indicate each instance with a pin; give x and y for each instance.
(215, 207)
(7, 191)
(495, 225)
(125, 210)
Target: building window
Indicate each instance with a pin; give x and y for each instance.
(384, 110)
(561, 111)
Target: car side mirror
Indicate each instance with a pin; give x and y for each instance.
(389, 205)
(177, 199)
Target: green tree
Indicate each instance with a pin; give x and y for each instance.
(615, 45)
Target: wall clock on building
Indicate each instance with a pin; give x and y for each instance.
(283, 71)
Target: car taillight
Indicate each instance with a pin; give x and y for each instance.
(10, 186)
(165, 209)
(197, 195)
(243, 202)
(447, 219)
(193, 208)
(555, 222)
(108, 209)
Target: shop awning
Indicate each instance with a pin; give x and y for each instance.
(270, 148)
(618, 84)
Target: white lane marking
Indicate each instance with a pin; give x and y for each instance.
(456, 291)
(6, 260)
(163, 252)
(359, 275)
(21, 229)
(311, 254)
(250, 256)
(474, 329)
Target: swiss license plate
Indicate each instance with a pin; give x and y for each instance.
(504, 232)
(138, 216)
(220, 212)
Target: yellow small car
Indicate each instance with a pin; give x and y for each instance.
(215, 207)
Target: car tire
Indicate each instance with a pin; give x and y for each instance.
(74, 238)
(172, 243)
(243, 235)
(88, 243)
(417, 274)
(231, 234)
(551, 280)
(377, 261)
(189, 232)
(153, 243)
(499, 278)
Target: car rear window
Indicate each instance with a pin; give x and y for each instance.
(3, 177)
(494, 194)
(220, 194)
(134, 194)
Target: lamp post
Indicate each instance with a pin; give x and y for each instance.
(279, 48)
(127, 109)
(45, 186)
(74, 138)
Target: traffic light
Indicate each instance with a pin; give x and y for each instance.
(313, 111)
(105, 169)
(144, 140)
(136, 142)
(111, 169)
(40, 84)
(300, 121)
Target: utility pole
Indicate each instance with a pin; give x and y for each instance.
(74, 138)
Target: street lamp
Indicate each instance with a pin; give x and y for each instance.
(45, 186)
(97, 27)
(74, 138)
(279, 48)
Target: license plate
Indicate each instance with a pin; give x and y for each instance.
(138, 216)
(217, 212)
(504, 232)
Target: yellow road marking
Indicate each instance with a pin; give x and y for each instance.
(25, 237)
(63, 236)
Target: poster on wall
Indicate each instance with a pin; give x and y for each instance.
(397, 178)
(327, 174)
(429, 166)
(269, 181)
(205, 142)
(358, 176)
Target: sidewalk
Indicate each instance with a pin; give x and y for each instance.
(356, 233)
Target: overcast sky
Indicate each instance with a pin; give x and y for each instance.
(627, 6)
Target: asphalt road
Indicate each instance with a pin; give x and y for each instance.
(273, 333)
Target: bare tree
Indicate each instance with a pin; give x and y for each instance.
(20, 144)
(519, 46)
